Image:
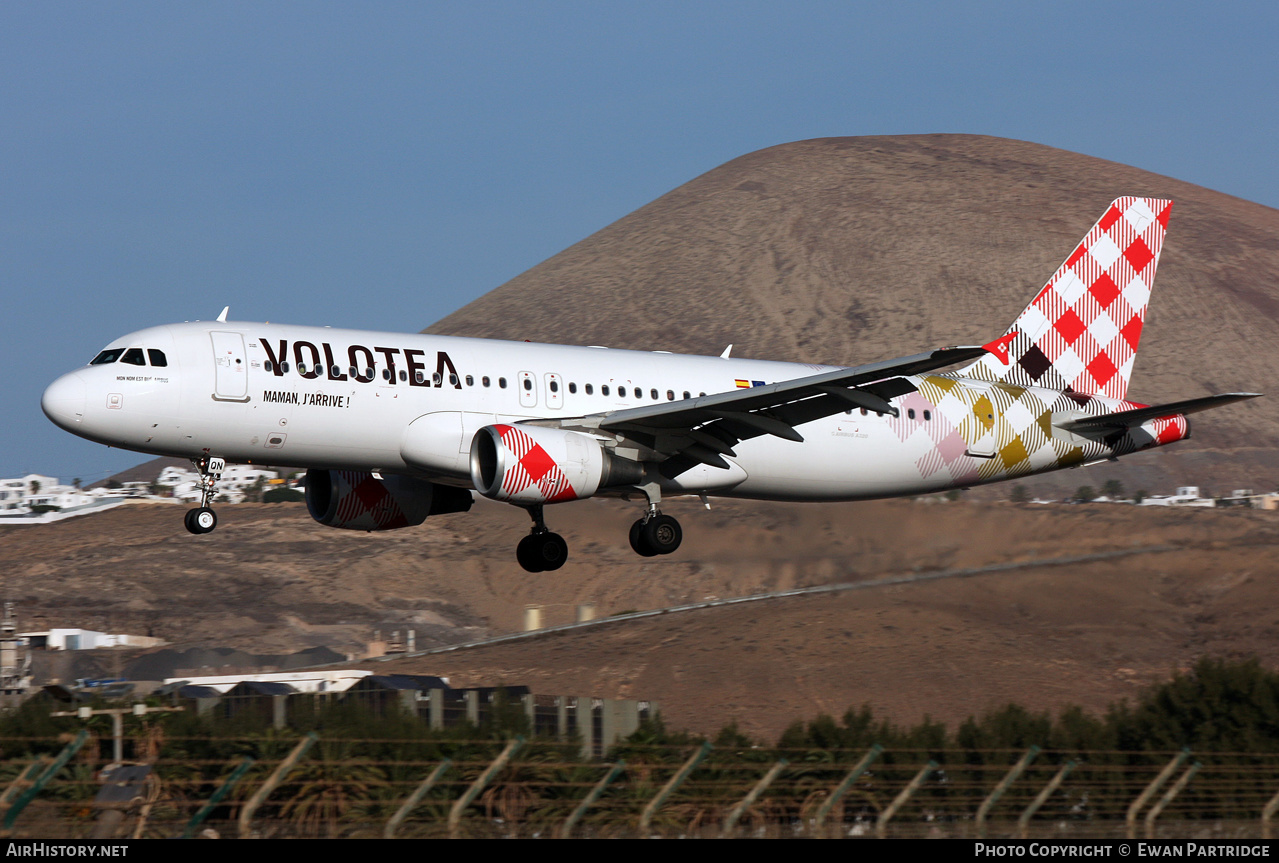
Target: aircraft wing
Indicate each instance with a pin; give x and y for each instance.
(701, 430)
(1128, 419)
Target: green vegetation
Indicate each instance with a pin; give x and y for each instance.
(282, 495)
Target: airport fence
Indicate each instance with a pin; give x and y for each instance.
(312, 787)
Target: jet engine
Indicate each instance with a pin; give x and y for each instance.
(527, 465)
(357, 500)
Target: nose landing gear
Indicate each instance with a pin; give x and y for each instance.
(541, 550)
(203, 519)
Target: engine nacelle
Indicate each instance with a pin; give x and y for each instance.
(532, 464)
(357, 500)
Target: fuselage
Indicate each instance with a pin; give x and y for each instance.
(317, 397)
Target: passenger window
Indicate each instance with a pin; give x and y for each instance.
(419, 377)
(404, 376)
(670, 395)
(911, 413)
(452, 380)
(386, 374)
(653, 394)
(470, 380)
(687, 395)
(436, 379)
(266, 365)
(501, 382)
(355, 373)
(928, 415)
(485, 380)
(604, 389)
(555, 387)
(157, 358)
(528, 384)
(284, 367)
(106, 357)
(572, 387)
(590, 389)
(133, 356)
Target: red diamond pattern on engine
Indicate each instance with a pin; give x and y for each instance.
(1081, 331)
(367, 496)
(533, 466)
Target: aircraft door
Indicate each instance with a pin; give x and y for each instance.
(554, 390)
(982, 432)
(527, 384)
(230, 371)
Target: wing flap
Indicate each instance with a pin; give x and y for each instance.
(690, 413)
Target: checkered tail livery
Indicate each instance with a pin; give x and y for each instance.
(1080, 333)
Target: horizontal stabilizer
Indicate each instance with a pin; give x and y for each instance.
(1127, 419)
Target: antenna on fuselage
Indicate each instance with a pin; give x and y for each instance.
(222, 317)
(728, 350)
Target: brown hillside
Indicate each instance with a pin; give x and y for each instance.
(848, 250)
(271, 580)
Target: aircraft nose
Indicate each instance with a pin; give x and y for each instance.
(63, 402)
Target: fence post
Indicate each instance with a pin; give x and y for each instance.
(1267, 814)
(223, 791)
(388, 832)
(1012, 776)
(67, 753)
(881, 827)
(459, 807)
(566, 831)
(646, 819)
(853, 775)
(1023, 823)
(740, 809)
(1155, 785)
(23, 780)
(276, 777)
(1168, 798)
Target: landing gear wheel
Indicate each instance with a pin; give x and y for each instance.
(662, 534)
(201, 520)
(637, 540)
(542, 552)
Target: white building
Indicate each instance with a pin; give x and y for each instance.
(302, 681)
(85, 639)
(1186, 495)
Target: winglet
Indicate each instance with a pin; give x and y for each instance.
(222, 317)
(728, 350)
(999, 347)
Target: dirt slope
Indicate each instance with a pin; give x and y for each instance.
(271, 580)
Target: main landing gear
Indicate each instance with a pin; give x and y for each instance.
(203, 519)
(655, 533)
(541, 550)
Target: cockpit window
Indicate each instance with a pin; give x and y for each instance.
(133, 356)
(107, 356)
(157, 358)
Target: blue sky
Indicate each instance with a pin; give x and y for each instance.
(379, 165)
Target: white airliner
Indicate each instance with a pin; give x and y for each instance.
(393, 428)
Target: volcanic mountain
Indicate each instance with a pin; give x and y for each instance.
(851, 250)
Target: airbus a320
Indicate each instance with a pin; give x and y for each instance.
(393, 428)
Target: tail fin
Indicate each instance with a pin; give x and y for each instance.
(1081, 331)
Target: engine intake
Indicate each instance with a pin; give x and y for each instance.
(357, 500)
(533, 464)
